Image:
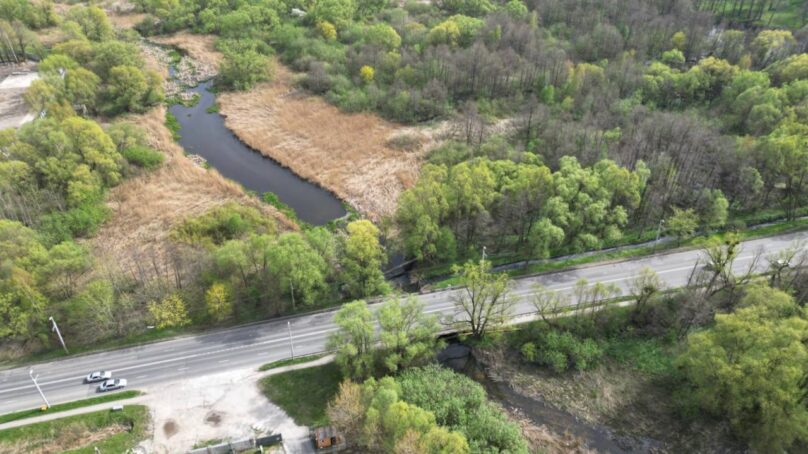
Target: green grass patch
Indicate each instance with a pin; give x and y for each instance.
(204, 443)
(69, 406)
(649, 355)
(213, 108)
(186, 102)
(290, 361)
(68, 434)
(304, 394)
(173, 125)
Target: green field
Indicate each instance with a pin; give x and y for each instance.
(68, 406)
(304, 394)
(109, 431)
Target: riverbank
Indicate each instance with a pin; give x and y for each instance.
(632, 408)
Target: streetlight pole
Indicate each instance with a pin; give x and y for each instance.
(58, 333)
(659, 229)
(291, 345)
(31, 374)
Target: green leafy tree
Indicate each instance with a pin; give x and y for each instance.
(483, 301)
(353, 342)
(338, 12)
(93, 21)
(169, 312)
(751, 367)
(219, 301)
(408, 336)
(65, 264)
(242, 70)
(362, 260)
(682, 223)
(300, 269)
(460, 404)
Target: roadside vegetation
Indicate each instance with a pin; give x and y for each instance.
(107, 431)
(69, 406)
(716, 364)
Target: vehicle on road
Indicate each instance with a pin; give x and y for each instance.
(99, 375)
(111, 385)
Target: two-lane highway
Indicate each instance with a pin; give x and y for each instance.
(249, 346)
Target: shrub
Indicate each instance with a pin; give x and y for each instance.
(144, 157)
(562, 351)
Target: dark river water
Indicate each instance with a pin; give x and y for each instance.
(205, 134)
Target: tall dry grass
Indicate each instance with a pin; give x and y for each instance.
(145, 208)
(347, 153)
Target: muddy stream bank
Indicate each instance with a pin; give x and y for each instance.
(460, 358)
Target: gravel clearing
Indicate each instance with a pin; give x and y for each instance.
(226, 406)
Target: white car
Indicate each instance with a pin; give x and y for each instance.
(111, 385)
(99, 375)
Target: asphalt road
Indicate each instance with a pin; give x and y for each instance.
(249, 346)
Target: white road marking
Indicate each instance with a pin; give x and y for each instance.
(183, 358)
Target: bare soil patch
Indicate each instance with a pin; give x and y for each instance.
(144, 208)
(170, 428)
(634, 404)
(353, 155)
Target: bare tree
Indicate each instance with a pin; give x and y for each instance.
(548, 303)
(644, 286)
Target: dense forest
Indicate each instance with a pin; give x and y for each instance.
(707, 114)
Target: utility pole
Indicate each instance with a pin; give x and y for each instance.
(291, 345)
(31, 374)
(58, 333)
(292, 286)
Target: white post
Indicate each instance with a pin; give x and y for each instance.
(31, 374)
(58, 333)
(483, 253)
(291, 345)
(659, 230)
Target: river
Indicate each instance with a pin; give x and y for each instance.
(205, 134)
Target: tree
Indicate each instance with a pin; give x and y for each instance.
(170, 312)
(682, 223)
(300, 270)
(338, 12)
(65, 263)
(459, 404)
(362, 260)
(373, 417)
(751, 368)
(218, 300)
(645, 285)
(353, 342)
(242, 70)
(712, 208)
(408, 336)
(93, 21)
(483, 300)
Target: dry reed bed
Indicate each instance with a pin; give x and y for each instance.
(345, 153)
(145, 208)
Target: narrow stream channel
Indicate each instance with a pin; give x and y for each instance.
(459, 358)
(205, 134)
